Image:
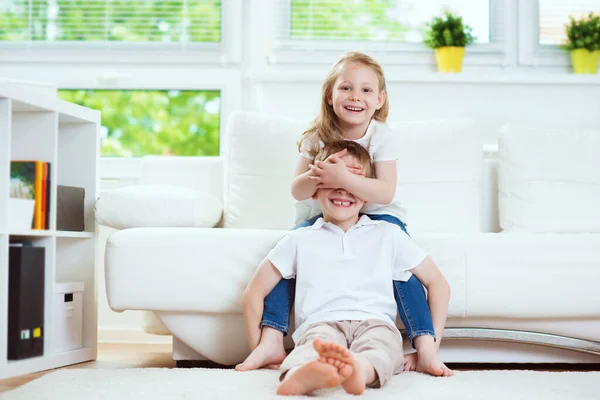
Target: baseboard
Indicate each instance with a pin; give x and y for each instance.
(130, 335)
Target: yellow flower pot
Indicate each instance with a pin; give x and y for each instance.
(449, 58)
(585, 61)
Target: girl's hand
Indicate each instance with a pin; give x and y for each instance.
(354, 167)
(331, 173)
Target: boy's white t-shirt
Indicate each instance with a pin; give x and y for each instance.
(345, 275)
(383, 145)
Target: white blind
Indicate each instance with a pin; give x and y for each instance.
(554, 15)
(345, 21)
(129, 21)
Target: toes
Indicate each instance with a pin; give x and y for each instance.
(345, 370)
(318, 345)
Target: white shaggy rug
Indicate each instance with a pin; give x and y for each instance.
(218, 384)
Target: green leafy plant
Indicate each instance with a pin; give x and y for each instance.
(583, 33)
(448, 30)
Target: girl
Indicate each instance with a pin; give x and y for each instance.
(354, 106)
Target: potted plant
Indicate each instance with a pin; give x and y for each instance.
(448, 36)
(583, 41)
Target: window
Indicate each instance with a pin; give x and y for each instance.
(171, 21)
(554, 15)
(154, 122)
(392, 30)
(538, 42)
(116, 32)
(391, 20)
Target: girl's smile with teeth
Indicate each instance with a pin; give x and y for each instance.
(350, 108)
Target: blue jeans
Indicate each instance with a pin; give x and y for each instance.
(410, 297)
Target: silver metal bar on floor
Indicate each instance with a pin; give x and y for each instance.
(507, 335)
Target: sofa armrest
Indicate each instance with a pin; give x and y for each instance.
(158, 206)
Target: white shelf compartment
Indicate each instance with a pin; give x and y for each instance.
(35, 127)
(75, 261)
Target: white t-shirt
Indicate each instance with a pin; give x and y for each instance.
(345, 275)
(383, 145)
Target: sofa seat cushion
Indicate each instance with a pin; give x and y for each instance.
(491, 275)
(530, 275)
(207, 270)
(179, 269)
(157, 206)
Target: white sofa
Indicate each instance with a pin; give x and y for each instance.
(521, 252)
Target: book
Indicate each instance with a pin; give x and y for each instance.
(26, 274)
(30, 180)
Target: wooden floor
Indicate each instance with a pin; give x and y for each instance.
(159, 356)
(111, 356)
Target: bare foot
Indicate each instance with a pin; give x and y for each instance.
(355, 380)
(429, 363)
(344, 369)
(410, 362)
(308, 378)
(269, 352)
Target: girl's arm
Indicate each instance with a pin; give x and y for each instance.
(263, 281)
(335, 174)
(302, 187)
(438, 294)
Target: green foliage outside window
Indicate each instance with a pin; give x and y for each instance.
(154, 122)
(345, 20)
(101, 20)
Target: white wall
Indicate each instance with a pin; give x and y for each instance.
(511, 91)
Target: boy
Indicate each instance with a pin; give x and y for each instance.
(345, 307)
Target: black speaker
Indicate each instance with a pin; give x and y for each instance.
(25, 302)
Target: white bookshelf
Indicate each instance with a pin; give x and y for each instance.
(45, 128)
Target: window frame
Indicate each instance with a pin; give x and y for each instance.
(228, 82)
(299, 52)
(227, 51)
(531, 52)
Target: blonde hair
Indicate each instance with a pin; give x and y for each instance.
(325, 127)
(354, 149)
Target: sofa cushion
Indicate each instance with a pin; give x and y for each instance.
(157, 206)
(440, 173)
(549, 180)
(260, 158)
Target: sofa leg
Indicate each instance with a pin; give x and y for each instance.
(201, 364)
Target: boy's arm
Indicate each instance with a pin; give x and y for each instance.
(438, 294)
(263, 281)
(335, 174)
